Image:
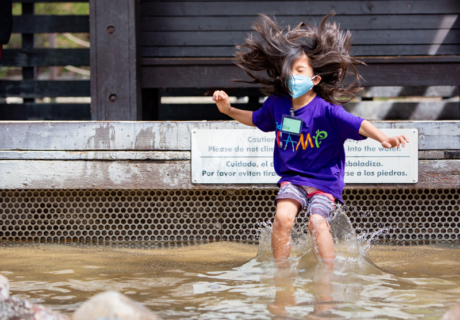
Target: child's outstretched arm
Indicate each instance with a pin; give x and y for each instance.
(369, 130)
(223, 103)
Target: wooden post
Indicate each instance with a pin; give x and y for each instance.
(115, 82)
(28, 43)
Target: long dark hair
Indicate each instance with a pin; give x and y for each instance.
(327, 49)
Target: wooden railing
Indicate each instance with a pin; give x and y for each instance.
(29, 58)
(143, 50)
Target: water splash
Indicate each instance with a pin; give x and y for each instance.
(300, 239)
(347, 245)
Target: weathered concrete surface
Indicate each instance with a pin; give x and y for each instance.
(95, 155)
(112, 305)
(156, 155)
(172, 136)
(41, 174)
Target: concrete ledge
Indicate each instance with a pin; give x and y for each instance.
(156, 155)
(40, 174)
(170, 136)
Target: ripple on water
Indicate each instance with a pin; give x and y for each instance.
(227, 280)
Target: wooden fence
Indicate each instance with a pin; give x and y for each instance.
(28, 57)
(144, 50)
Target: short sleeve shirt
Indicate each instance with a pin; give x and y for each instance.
(316, 157)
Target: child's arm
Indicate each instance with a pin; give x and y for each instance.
(369, 130)
(223, 103)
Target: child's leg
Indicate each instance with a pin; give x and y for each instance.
(320, 231)
(320, 210)
(286, 211)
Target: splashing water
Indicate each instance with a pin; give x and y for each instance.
(351, 253)
(347, 244)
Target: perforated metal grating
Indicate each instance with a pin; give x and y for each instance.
(160, 215)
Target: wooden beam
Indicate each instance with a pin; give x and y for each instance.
(347, 22)
(115, 82)
(44, 57)
(39, 174)
(45, 111)
(360, 37)
(44, 88)
(46, 24)
(381, 92)
(383, 110)
(419, 91)
(356, 50)
(193, 92)
(171, 136)
(218, 72)
(295, 8)
(199, 112)
(370, 110)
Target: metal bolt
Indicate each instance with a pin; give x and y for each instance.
(110, 29)
(113, 98)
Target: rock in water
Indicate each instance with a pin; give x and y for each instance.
(4, 288)
(20, 309)
(12, 308)
(112, 305)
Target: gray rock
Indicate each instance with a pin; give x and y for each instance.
(12, 308)
(15, 309)
(112, 305)
(4, 288)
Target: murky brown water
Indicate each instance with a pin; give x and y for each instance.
(224, 280)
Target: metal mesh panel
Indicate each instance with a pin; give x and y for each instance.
(160, 215)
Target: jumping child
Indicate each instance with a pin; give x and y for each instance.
(305, 72)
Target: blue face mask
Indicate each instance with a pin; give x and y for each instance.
(299, 85)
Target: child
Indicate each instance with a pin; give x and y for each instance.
(305, 72)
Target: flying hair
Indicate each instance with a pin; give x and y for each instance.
(274, 50)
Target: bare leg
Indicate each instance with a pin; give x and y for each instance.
(286, 211)
(322, 237)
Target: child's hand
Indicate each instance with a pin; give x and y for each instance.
(395, 141)
(222, 101)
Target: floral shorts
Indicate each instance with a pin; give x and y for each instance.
(316, 202)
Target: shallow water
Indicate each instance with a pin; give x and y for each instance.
(227, 280)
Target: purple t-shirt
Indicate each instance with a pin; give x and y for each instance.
(316, 158)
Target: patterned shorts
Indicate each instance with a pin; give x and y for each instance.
(317, 202)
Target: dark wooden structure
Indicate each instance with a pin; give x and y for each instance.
(29, 58)
(142, 50)
(186, 44)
